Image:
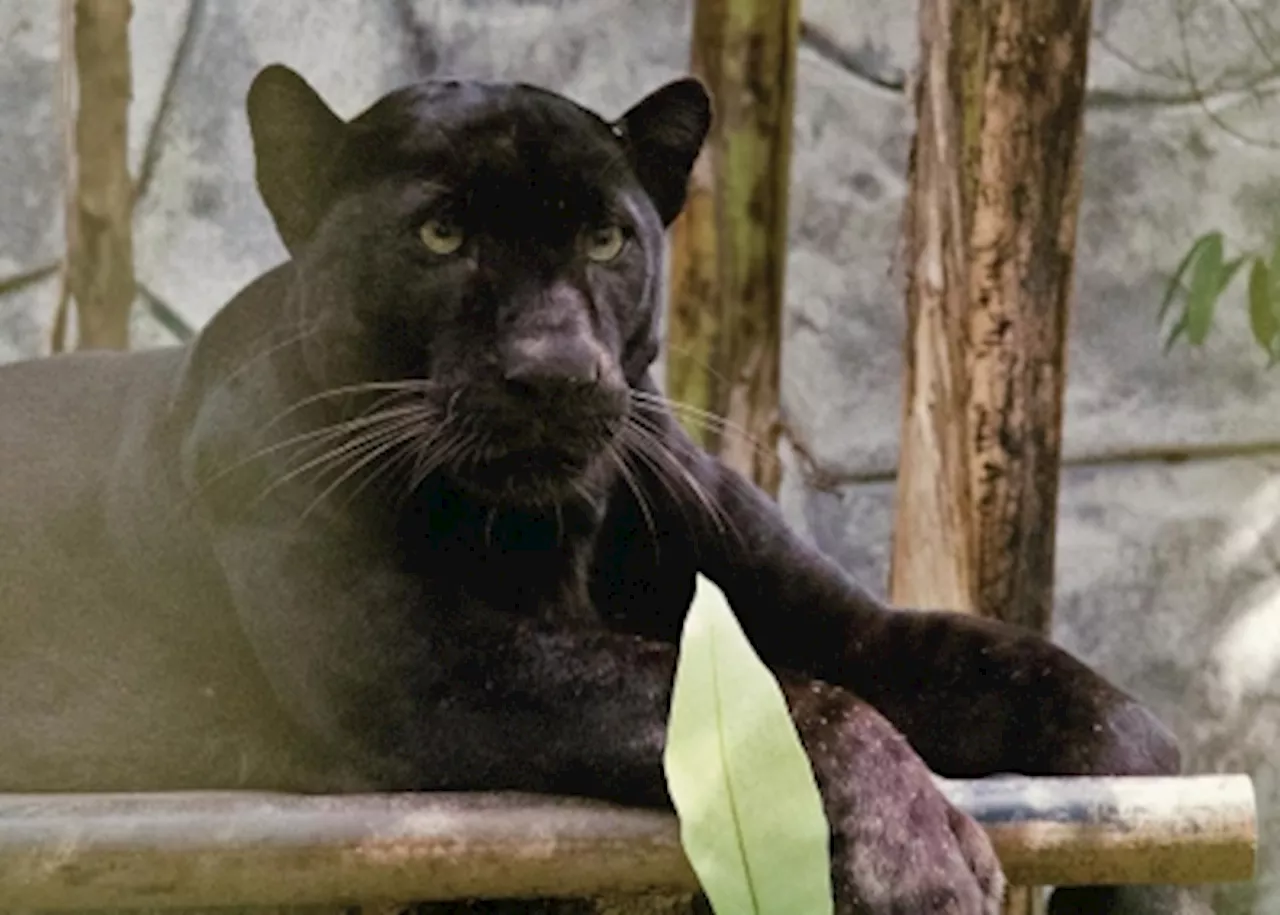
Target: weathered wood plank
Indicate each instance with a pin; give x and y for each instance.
(91, 852)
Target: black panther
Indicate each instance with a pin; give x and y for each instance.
(410, 513)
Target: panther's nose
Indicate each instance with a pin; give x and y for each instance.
(552, 363)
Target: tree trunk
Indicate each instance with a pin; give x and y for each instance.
(99, 270)
(990, 232)
(989, 235)
(728, 249)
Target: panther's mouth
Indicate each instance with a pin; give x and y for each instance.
(540, 475)
(522, 448)
(529, 466)
(536, 457)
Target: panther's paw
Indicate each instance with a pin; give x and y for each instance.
(899, 847)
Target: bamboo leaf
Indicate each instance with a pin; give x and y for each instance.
(1273, 271)
(751, 818)
(1175, 281)
(1262, 319)
(1205, 286)
(1229, 271)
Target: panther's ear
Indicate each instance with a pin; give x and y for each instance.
(664, 131)
(295, 136)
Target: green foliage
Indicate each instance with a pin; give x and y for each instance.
(751, 818)
(1202, 277)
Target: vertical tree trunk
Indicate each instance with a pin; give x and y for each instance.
(990, 235)
(99, 269)
(729, 246)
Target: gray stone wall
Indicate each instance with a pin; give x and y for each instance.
(1169, 545)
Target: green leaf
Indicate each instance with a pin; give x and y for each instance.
(1273, 269)
(1229, 271)
(751, 818)
(1175, 281)
(1205, 286)
(1262, 317)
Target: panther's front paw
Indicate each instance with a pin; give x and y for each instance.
(1000, 699)
(926, 859)
(899, 847)
(1131, 740)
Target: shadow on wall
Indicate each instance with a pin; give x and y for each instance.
(1234, 704)
(1169, 582)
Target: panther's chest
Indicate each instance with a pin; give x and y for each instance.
(548, 585)
(530, 563)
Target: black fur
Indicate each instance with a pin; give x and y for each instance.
(475, 578)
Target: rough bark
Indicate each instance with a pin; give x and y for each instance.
(990, 234)
(729, 246)
(99, 274)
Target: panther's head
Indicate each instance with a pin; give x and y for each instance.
(487, 254)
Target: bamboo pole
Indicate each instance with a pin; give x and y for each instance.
(728, 248)
(1090, 831)
(87, 852)
(98, 272)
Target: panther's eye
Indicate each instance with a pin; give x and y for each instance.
(441, 236)
(604, 244)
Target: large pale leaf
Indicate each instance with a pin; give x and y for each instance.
(751, 818)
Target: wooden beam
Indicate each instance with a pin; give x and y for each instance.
(87, 852)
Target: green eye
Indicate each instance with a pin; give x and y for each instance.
(604, 244)
(441, 236)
